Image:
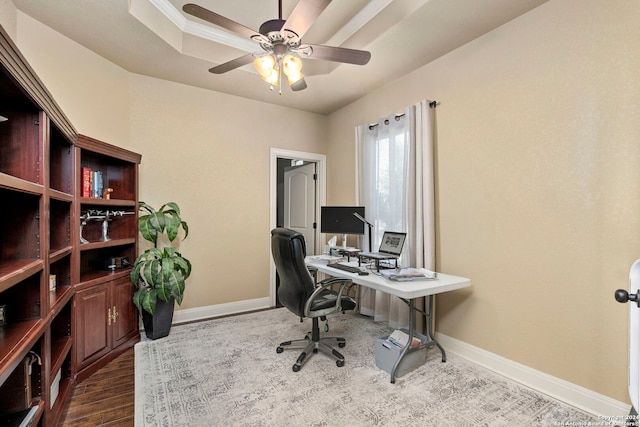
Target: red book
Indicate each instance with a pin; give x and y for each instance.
(86, 182)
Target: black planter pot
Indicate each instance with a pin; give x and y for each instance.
(158, 324)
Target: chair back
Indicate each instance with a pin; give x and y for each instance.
(296, 284)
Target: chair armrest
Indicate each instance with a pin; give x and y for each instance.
(344, 288)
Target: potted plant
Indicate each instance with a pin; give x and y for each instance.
(159, 273)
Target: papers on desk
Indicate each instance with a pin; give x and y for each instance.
(400, 339)
(409, 274)
(323, 259)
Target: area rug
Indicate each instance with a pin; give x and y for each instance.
(226, 372)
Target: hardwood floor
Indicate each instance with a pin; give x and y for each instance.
(106, 398)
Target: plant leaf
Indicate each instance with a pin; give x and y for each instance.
(149, 301)
(172, 224)
(161, 283)
(173, 206)
(157, 221)
(137, 298)
(183, 264)
(135, 273)
(143, 206)
(178, 286)
(185, 227)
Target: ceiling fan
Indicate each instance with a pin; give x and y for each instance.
(281, 42)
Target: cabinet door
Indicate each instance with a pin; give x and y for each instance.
(92, 324)
(126, 319)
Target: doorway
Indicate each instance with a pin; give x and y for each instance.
(299, 165)
(297, 200)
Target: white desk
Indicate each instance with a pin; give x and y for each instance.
(407, 292)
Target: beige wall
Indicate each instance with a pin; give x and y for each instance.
(538, 184)
(210, 153)
(92, 92)
(8, 18)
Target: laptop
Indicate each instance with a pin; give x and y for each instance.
(390, 247)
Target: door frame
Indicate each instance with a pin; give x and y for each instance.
(321, 199)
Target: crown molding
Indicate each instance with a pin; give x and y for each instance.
(212, 33)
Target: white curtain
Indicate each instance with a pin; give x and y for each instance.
(395, 183)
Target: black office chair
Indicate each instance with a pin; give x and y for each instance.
(304, 298)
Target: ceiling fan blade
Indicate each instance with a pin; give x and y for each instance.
(299, 85)
(336, 54)
(221, 21)
(302, 17)
(233, 64)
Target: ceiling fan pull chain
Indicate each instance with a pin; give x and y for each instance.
(280, 74)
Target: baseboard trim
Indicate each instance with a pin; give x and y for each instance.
(202, 313)
(569, 393)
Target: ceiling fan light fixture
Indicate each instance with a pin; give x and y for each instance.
(292, 67)
(281, 41)
(273, 79)
(266, 65)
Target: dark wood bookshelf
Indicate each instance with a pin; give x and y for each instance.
(57, 295)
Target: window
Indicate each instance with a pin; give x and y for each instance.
(383, 154)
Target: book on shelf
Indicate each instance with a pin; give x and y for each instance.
(86, 182)
(96, 184)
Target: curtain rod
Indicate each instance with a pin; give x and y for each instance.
(432, 104)
(386, 122)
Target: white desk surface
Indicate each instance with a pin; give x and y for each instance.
(407, 290)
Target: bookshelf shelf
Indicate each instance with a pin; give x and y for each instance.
(13, 272)
(104, 202)
(60, 253)
(19, 185)
(18, 337)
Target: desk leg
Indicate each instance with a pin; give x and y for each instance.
(406, 347)
(429, 329)
(431, 341)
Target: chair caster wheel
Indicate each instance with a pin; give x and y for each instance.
(339, 363)
(279, 350)
(342, 344)
(296, 368)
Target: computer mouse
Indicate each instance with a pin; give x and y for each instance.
(363, 273)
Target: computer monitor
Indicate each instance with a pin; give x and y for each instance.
(340, 220)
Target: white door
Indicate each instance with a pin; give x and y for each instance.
(300, 202)
(634, 336)
(633, 298)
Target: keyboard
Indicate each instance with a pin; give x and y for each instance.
(343, 267)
